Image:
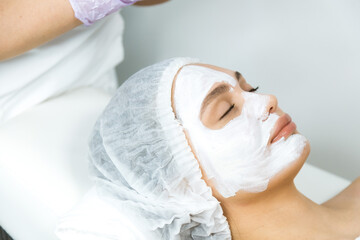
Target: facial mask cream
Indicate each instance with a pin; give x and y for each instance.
(237, 156)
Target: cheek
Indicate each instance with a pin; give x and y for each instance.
(203, 173)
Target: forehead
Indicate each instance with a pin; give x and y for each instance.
(220, 69)
(229, 72)
(199, 77)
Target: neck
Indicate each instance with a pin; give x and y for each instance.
(272, 213)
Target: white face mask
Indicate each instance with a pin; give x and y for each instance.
(235, 157)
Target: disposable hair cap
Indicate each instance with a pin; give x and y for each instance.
(142, 163)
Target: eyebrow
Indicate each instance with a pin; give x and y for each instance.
(212, 95)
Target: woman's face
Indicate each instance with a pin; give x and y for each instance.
(241, 138)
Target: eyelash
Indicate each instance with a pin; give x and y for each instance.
(254, 89)
(232, 106)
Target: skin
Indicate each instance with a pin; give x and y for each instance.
(281, 211)
(24, 26)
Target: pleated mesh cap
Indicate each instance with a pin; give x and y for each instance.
(142, 163)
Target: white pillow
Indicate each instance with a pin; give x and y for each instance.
(95, 219)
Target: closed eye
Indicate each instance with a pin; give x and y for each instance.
(230, 108)
(233, 105)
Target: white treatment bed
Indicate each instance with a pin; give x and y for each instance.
(43, 164)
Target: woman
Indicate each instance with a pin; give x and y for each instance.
(192, 151)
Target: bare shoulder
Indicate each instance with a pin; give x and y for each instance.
(348, 198)
(346, 205)
(353, 190)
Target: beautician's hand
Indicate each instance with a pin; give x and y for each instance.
(90, 11)
(24, 26)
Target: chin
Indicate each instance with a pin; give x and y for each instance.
(288, 174)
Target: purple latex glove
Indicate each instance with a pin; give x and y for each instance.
(89, 11)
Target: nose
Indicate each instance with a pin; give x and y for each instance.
(271, 106)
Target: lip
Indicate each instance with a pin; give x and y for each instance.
(284, 127)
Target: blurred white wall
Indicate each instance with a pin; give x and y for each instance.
(307, 53)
